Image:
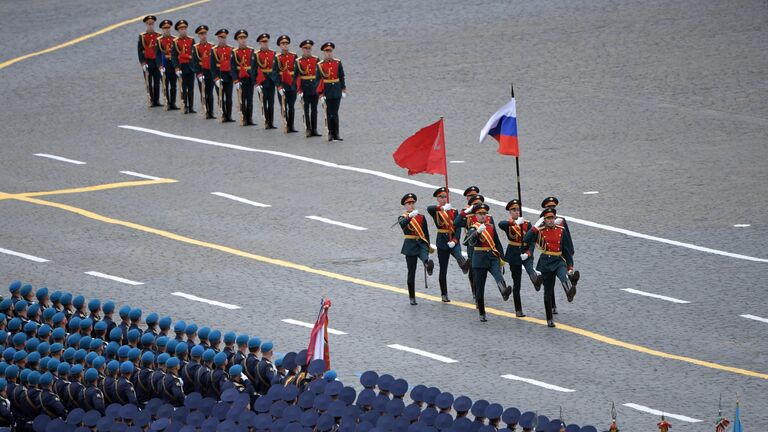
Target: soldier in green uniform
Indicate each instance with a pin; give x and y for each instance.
(286, 84)
(266, 80)
(486, 256)
(517, 252)
(464, 219)
(556, 260)
(334, 89)
(150, 59)
(443, 214)
(307, 75)
(553, 202)
(416, 244)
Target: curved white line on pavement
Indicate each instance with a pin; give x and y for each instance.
(140, 175)
(658, 413)
(423, 353)
(754, 317)
(626, 232)
(114, 278)
(658, 296)
(240, 199)
(337, 223)
(23, 255)
(538, 383)
(204, 300)
(59, 158)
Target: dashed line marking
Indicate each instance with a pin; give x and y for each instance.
(114, 278)
(140, 175)
(310, 325)
(538, 383)
(333, 222)
(240, 199)
(755, 317)
(658, 296)
(23, 255)
(658, 413)
(423, 353)
(741, 225)
(457, 162)
(591, 192)
(203, 300)
(59, 158)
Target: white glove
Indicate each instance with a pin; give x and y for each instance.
(281, 92)
(481, 228)
(258, 89)
(145, 67)
(570, 272)
(451, 244)
(237, 85)
(300, 94)
(322, 100)
(519, 221)
(343, 95)
(413, 213)
(218, 83)
(539, 223)
(524, 256)
(178, 73)
(200, 78)
(162, 70)
(447, 206)
(558, 221)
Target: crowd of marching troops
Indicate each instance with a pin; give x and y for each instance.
(167, 59)
(486, 252)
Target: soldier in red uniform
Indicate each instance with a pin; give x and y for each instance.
(556, 260)
(150, 60)
(307, 82)
(334, 89)
(166, 65)
(416, 244)
(266, 79)
(201, 64)
(221, 68)
(286, 84)
(181, 55)
(465, 219)
(446, 241)
(487, 256)
(243, 66)
(553, 202)
(517, 252)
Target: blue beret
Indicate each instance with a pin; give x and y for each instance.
(242, 339)
(53, 364)
(279, 362)
(3, 384)
(58, 318)
(12, 371)
(203, 332)
(30, 326)
(41, 293)
(31, 344)
(56, 296)
(235, 370)
(133, 335)
(74, 323)
(126, 367)
(100, 326)
(5, 304)
(134, 354)
(135, 314)
(91, 375)
(66, 299)
(98, 362)
(20, 305)
(69, 354)
(25, 289)
(151, 318)
(89, 357)
(179, 327)
(33, 309)
(147, 339)
(162, 358)
(14, 324)
(112, 348)
(86, 323)
(254, 342)
(80, 355)
(124, 311)
(267, 346)
(24, 375)
(147, 358)
(220, 358)
(14, 286)
(96, 343)
(85, 342)
(230, 337)
(94, 305)
(48, 313)
(108, 307)
(172, 362)
(180, 349)
(171, 346)
(214, 336)
(19, 339)
(58, 333)
(208, 355)
(197, 351)
(191, 329)
(115, 334)
(44, 330)
(78, 301)
(123, 351)
(3, 367)
(113, 366)
(33, 357)
(44, 348)
(161, 341)
(56, 347)
(34, 377)
(165, 323)
(8, 354)
(3, 317)
(63, 369)
(330, 376)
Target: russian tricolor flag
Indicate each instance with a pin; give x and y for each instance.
(502, 126)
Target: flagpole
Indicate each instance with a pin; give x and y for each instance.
(445, 160)
(517, 161)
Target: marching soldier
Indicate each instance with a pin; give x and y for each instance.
(221, 68)
(307, 82)
(201, 64)
(553, 202)
(286, 84)
(487, 256)
(267, 62)
(243, 66)
(150, 60)
(465, 219)
(556, 259)
(517, 252)
(181, 56)
(166, 65)
(416, 244)
(334, 89)
(443, 214)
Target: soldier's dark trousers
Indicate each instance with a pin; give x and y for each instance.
(170, 87)
(188, 89)
(289, 100)
(480, 275)
(562, 274)
(208, 89)
(268, 101)
(411, 261)
(154, 83)
(226, 99)
(310, 111)
(443, 258)
(549, 292)
(517, 273)
(246, 104)
(332, 113)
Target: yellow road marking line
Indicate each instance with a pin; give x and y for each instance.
(85, 37)
(300, 267)
(106, 186)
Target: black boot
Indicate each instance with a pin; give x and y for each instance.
(504, 290)
(550, 324)
(413, 301)
(430, 266)
(537, 281)
(336, 133)
(519, 314)
(570, 291)
(574, 278)
(482, 318)
(445, 298)
(463, 264)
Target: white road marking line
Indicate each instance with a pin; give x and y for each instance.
(140, 175)
(23, 255)
(658, 413)
(647, 294)
(457, 162)
(200, 299)
(591, 192)
(242, 200)
(423, 353)
(754, 317)
(741, 225)
(59, 158)
(392, 177)
(333, 222)
(538, 383)
(114, 278)
(310, 325)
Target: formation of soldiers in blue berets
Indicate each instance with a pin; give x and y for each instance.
(71, 364)
(485, 250)
(165, 59)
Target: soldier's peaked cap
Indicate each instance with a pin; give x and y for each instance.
(514, 203)
(408, 198)
(282, 38)
(150, 17)
(309, 42)
(482, 208)
(166, 23)
(180, 23)
(549, 201)
(471, 190)
(327, 45)
(549, 211)
(439, 191)
(262, 37)
(201, 28)
(222, 32)
(241, 32)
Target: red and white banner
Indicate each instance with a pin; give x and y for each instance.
(318, 339)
